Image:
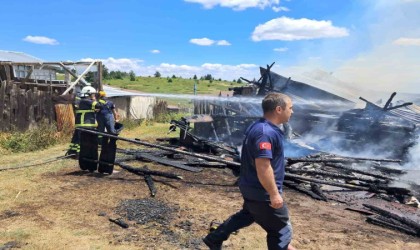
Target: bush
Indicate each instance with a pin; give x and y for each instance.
(167, 117)
(44, 136)
(132, 123)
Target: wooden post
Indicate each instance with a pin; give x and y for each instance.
(67, 78)
(7, 70)
(99, 75)
(2, 104)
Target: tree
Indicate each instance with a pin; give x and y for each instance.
(169, 79)
(157, 74)
(90, 76)
(239, 80)
(105, 72)
(132, 76)
(173, 76)
(208, 77)
(195, 77)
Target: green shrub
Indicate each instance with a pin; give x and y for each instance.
(167, 117)
(44, 136)
(132, 123)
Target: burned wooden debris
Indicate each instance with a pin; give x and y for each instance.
(355, 181)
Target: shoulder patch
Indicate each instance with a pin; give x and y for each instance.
(265, 145)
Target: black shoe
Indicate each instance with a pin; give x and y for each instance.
(212, 244)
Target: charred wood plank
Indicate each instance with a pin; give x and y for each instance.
(166, 162)
(348, 186)
(144, 171)
(340, 159)
(377, 220)
(301, 189)
(387, 189)
(317, 190)
(150, 184)
(341, 166)
(397, 217)
(137, 141)
(119, 222)
(336, 175)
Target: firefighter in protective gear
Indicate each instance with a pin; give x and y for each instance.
(85, 116)
(107, 115)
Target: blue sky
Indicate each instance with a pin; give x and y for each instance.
(374, 43)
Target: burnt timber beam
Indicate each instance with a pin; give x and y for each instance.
(336, 175)
(386, 213)
(340, 159)
(166, 162)
(138, 142)
(144, 171)
(150, 183)
(348, 186)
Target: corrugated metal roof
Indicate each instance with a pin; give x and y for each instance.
(12, 56)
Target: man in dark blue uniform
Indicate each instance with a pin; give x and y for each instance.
(107, 116)
(261, 179)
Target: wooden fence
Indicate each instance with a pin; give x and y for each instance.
(23, 108)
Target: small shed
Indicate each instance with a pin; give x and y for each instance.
(131, 104)
(40, 72)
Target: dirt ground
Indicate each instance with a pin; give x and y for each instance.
(57, 206)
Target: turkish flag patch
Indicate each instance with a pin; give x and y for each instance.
(265, 145)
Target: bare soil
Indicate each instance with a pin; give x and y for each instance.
(58, 206)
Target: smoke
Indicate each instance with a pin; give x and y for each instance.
(414, 156)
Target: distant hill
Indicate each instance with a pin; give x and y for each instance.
(172, 85)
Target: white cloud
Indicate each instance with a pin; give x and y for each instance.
(407, 41)
(202, 41)
(121, 64)
(40, 40)
(225, 72)
(236, 4)
(223, 43)
(280, 8)
(155, 51)
(281, 49)
(208, 42)
(289, 29)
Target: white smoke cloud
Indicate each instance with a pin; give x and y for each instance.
(414, 157)
(404, 41)
(393, 62)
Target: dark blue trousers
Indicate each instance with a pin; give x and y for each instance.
(106, 121)
(274, 221)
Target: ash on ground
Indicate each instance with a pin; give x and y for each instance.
(158, 216)
(143, 211)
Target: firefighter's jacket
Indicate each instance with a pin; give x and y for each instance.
(85, 113)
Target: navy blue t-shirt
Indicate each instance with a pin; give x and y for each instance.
(262, 140)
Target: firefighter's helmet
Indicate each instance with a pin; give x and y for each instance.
(87, 91)
(102, 93)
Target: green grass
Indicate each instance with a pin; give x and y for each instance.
(177, 86)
